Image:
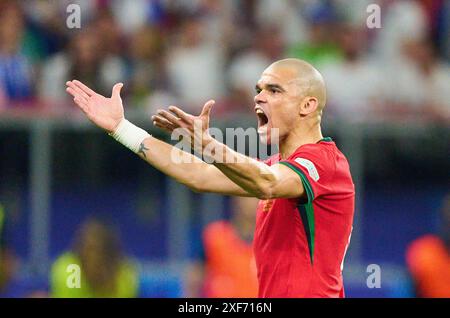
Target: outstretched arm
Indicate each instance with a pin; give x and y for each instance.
(257, 178)
(108, 114)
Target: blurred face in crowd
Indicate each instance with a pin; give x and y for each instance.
(85, 49)
(420, 52)
(287, 92)
(270, 42)
(11, 29)
(109, 38)
(192, 32)
(8, 267)
(319, 33)
(351, 41)
(146, 44)
(98, 249)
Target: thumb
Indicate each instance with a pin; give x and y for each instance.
(116, 90)
(207, 108)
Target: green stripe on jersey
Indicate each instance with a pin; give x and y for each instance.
(306, 210)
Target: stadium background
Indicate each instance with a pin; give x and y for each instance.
(388, 109)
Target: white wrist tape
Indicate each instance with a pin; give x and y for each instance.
(129, 135)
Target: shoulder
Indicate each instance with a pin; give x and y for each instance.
(322, 154)
(316, 162)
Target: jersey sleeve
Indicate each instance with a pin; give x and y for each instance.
(315, 169)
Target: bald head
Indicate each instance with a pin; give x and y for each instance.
(309, 80)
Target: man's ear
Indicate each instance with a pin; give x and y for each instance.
(309, 105)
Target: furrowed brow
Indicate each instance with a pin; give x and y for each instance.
(269, 86)
(275, 86)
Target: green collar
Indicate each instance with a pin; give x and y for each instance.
(327, 139)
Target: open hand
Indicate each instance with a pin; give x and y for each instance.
(105, 112)
(196, 126)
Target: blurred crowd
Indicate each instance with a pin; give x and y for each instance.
(188, 51)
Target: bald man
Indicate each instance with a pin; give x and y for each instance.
(305, 214)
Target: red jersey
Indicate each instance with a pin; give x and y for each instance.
(299, 245)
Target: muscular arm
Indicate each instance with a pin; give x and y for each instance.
(257, 178)
(250, 178)
(188, 169)
(108, 113)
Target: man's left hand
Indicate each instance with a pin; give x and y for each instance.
(195, 126)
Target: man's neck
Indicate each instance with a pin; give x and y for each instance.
(299, 137)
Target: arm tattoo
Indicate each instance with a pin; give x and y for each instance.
(142, 149)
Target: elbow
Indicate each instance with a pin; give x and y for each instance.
(264, 196)
(265, 192)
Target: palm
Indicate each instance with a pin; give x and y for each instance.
(105, 112)
(102, 111)
(196, 126)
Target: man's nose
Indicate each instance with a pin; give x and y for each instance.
(260, 98)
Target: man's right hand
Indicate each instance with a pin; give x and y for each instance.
(105, 112)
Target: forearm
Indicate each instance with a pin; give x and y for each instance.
(176, 163)
(250, 174)
(188, 169)
(180, 165)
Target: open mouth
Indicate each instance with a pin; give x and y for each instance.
(262, 117)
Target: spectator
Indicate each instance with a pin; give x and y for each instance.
(419, 83)
(354, 84)
(246, 67)
(428, 259)
(110, 34)
(286, 16)
(228, 267)
(404, 20)
(195, 66)
(146, 65)
(10, 286)
(47, 27)
(83, 60)
(5, 259)
(105, 271)
(320, 48)
(16, 75)
(3, 98)
(132, 15)
(8, 268)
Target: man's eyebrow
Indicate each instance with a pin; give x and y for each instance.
(277, 86)
(270, 86)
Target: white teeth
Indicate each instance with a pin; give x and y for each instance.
(259, 111)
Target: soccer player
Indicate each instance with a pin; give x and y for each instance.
(304, 219)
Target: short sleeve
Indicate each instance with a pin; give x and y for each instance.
(315, 169)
